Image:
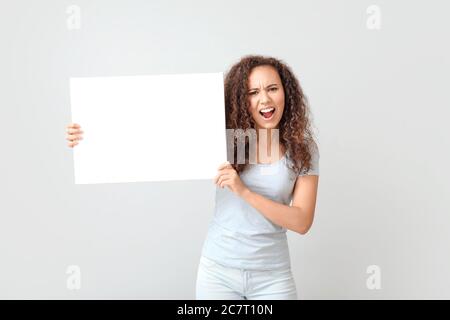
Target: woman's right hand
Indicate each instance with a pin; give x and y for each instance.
(73, 134)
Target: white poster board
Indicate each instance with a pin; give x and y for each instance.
(148, 128)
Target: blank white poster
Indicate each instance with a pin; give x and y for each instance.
(148, 128)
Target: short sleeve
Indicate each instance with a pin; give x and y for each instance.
(315, 156)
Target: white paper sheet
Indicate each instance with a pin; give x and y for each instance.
(148, 128)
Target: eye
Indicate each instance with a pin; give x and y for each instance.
(252, 93)
(273, 89)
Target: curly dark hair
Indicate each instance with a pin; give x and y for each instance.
(295, 126)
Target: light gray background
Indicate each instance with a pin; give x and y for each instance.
(379, 102)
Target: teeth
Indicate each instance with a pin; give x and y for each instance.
(267, 110)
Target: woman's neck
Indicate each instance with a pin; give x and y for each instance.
(268, 141)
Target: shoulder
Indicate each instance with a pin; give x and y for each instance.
(315, 157)
(314, 149)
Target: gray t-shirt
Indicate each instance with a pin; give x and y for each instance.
(239, 236)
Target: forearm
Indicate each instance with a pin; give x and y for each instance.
(292, 218)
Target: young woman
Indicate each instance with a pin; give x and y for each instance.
(245, 254)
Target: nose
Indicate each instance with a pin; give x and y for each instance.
(264, 97)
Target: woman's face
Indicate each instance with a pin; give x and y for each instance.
(266, 97)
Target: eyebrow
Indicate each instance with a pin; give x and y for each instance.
(270, 85)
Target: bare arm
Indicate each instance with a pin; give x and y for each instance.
(298, 217)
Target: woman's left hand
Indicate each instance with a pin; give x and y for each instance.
(228, 177)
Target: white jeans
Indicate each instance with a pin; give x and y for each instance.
(218, 282)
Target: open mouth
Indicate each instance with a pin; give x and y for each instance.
(267, 113)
